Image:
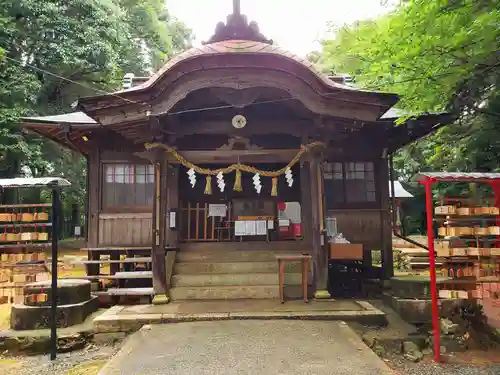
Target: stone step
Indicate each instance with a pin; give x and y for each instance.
(127, 292)
(243, 246)
(233, 267)
(230, 256)
(234, 279)
(224, 292)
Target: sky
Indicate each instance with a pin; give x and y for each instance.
(296, 25)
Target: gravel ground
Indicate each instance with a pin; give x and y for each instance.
(467, 363)
(263, 347)
(427, 367)
(74, 363)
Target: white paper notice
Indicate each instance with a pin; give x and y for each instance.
(284, 223)
(261, 227)
(239, 228)
(219, 210)
(270, 224)
(251, 227)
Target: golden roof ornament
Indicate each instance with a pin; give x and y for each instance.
(237, 28)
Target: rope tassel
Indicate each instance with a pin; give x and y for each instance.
(208, 186)
(274, 188)
(237, 182)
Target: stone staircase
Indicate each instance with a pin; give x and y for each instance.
(206, 272)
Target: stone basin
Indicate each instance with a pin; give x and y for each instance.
(69, 292)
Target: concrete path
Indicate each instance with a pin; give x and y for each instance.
(246, 347)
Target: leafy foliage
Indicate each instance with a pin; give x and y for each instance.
(91, 44)
(439, 55)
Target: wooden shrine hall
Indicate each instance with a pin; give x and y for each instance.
(236, 147)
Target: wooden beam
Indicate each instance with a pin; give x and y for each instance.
(233, 156)
(254, 126)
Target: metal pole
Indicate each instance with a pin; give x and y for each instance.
(432, 261)
(53, 306)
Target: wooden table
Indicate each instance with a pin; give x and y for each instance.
(304, 259)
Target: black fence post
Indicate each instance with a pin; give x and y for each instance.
(54, 291)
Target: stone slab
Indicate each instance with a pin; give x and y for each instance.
(131, 318)
(413, 286)
(38, 341)
(246, 347)
(417, 311)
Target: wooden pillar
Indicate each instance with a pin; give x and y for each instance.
(305, 189)
(172, 202)
(94, 197)
(93, 208)
(382, 178)
(158, 235)
(320, 256)
(159, 222)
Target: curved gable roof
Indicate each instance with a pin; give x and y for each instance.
(235, 47)
(260, 54)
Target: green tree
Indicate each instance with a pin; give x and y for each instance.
(439, 55)
(91, 44)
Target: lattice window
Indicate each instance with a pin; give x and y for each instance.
(347, 183)
(127, 185)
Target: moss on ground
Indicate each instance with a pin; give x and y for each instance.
(88, 368)
(4, 316)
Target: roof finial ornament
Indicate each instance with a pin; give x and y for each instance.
(236, 7)
(237, 28)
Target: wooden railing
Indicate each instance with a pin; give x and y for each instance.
(196, 225)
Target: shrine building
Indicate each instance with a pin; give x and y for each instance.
(241, 149)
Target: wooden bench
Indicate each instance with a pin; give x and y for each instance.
(304, 259)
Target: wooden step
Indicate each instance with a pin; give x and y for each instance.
(135, 275)
(116, 276)
(422, 264)
(126, 292)
(412, 251)
(97, 249)
(109, 261)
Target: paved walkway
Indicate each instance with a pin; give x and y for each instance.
(246, 347)
(131, 318)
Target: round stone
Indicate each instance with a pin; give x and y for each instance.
(69, 292)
